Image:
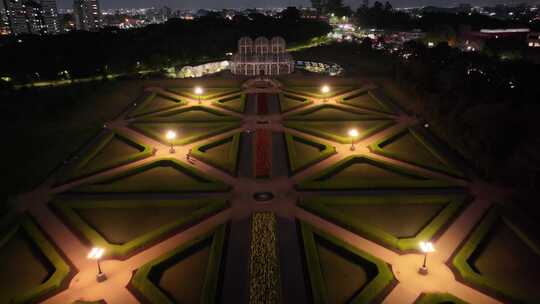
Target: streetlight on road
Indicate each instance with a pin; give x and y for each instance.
(353, 133)
(325, 90)
(198, 92)
(426, 248)
(171, 135)
(95, 254)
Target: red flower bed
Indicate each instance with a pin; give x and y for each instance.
(263, 156)
(262, 104)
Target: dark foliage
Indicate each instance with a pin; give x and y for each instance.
(85, 54)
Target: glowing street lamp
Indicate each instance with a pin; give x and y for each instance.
(426, 248)
(198, 92)
(353, 133)
(325, 90)
(95, 254)
(171, 135)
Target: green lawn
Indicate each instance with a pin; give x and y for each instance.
(288, 102)
(31, 266)
(365, 100)
(208, 93)
(399, 221)
(186, 132)
(188, 274)
(236, 103)
(329, 112)
(502, 257)
(339, 273)
(338, 131)
(316, 91)
(221, 153)
(303, 153)
(362, 172)
(152, 103)
(412, 146)
(165, 175)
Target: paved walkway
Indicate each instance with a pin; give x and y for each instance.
(114, 290)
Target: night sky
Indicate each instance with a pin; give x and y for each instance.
(191, 4)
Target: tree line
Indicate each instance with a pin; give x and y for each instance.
(176, 42)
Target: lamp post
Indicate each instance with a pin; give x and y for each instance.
(426, 248)
(95, 254)
(171, 135)
(198, 92)
(353, 133)
(325, 89)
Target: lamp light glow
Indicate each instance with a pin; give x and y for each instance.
(171, 135)
(427, 247)
(96, 253)
(198, 91)
(353, 133)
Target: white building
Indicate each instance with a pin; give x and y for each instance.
(262, 57)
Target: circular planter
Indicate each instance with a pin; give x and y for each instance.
(263, 196)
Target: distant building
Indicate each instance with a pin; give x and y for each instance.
(29, 17)
(533, 40)
(49, 13)
(262, 57)
(87, 15)
(4, 21)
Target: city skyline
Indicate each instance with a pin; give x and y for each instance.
(218, 4)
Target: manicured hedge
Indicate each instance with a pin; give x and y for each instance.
(215, 115)
(316, 91)
(380, 105)
(288, 102)
(204, 183)
(230, 164)
(445, 167)
(215, 128)
(305, 114)
(482, 231)
(321, 207)
(65, 207)
(236, 103)
(264, 275)
(147, 99)
(62, 269)
(294, 158)
(78, 170)
(323, 181)
(438, 298)
(321, 131)
(208, 93)
(370, 292)
(209, 294)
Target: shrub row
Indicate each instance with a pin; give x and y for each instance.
(264, 275)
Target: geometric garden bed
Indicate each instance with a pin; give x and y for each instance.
(399, 221)
(498, 256)
(339, 273)
(188, 274)
(123, 226)
(31, 268)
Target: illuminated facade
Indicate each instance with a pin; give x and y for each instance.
(28, 17)
(87, 15)
(262, 57)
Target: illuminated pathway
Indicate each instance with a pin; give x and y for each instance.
(83, 285)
